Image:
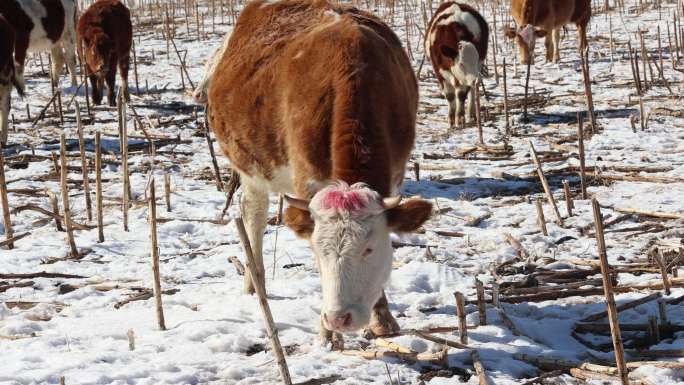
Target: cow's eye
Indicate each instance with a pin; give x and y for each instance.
(367, 252)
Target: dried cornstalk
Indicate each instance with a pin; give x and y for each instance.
(5, 203)
(65, 197)
(155, 256)
(608, 291)
(255, 273)
(545, 184)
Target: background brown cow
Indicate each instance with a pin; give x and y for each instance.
(545, 18)
(105, 36)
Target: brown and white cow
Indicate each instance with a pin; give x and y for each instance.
(105, 36)
(43, 25)
(8, 76)
(319, 101)
(456, 42)
(545, 18)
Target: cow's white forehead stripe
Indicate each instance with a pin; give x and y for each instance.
(456, 15)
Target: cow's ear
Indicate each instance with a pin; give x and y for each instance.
(409, 215)
(540, 33)
(510, 32)
(448, 51)
(299, 221)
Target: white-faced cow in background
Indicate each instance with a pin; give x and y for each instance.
(545, 18)
(456, 42)
(41, 25)
(319, 101)
(8, 76)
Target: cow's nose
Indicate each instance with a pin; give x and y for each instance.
(338, 320)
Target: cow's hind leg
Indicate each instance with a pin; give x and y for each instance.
(110, 78)
(255, 213)
(97, 85)
(382, 322)
(548, 43)
(123, 76)
(5, 95)
(57, 63)
(582, 36)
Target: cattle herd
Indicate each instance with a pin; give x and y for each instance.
(310, 99)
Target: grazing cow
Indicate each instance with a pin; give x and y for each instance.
(456, 41)
(41, 25)
(200, 92)
(105, 36)
(319, 100)
(544, 18)
(8, 76)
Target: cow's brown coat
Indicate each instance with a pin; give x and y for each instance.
(549, 15)
(105, 36)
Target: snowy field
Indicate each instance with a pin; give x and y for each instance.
(77, 328)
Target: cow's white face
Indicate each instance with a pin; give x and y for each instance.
(466, 66)
(351, 243)
(526, 37)
(354, 255)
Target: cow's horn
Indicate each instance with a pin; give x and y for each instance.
(301, 204)
(391, 202)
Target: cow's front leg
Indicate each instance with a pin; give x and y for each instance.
(255, 212)
(470, 107)
(460, 104)
(57, 63)
(549, 44)
(382, 322)
(335, 339)
(450, 95)
(5, 95)
(556, 44)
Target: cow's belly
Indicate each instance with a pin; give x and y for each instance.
(280, 180)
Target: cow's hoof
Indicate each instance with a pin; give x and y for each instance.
(382, 324)
(333, 339)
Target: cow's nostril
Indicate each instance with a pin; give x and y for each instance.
(337, 321)
(347, 320)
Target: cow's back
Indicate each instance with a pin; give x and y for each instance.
(550, 14)
(323, 90)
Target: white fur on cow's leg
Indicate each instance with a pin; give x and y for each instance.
(255, 213)
(5, 95)
(556, 44)
(470, 106)
(461, 96)
(68, 41)
(70, 57)
(57, 63)
(335, 339)
(548, 44)
(450, 95)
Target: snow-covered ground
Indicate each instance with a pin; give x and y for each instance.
(216, 334)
